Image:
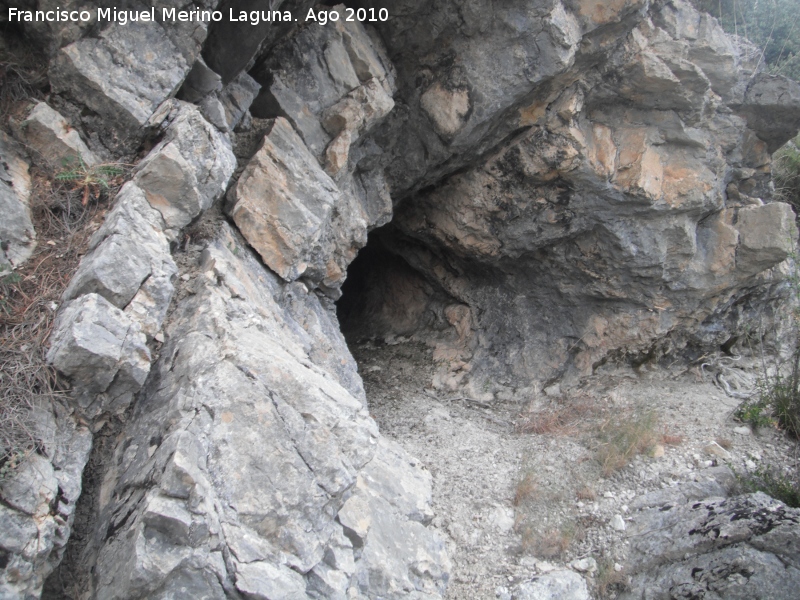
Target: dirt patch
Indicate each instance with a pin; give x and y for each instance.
(529, 484)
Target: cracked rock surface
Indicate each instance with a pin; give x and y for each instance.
(560, 186)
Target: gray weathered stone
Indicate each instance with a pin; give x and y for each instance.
(557, 585)
(129, 248)
(103, 351)
(245, 445)
(237, 97)
(741, 547)
(188, 169)
(54, 144)
(17, 235)
(283, 204)
(200, 82)
(123, 75)
(39, 500)
(301, 88)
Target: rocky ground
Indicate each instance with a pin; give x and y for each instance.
(513, 504)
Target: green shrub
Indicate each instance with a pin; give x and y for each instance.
(786, 172)
(755, 413)
(773, 483)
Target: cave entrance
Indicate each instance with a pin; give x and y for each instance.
(383, 296)
(398, 323)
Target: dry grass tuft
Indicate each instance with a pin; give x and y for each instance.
(30, 298)
(625, 436)
(552, 542)
(562, 419)
(725, 443)
(609, 581)
(586, 493)
(527, 490)
(669, 439)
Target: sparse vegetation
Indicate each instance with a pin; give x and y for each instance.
(754, 412)
(609, 581)
(8, 280)
(565, 418)
(772, 25)
(93, 181)
(552, 542)
(786, 172)
(724, 443)
(776, 401)
(526, 490)
(772, 482)
(625, 436)
(586, 493)
(29, 298)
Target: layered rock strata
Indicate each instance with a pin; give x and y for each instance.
(246, 462)
(571, 182)
(598, 189)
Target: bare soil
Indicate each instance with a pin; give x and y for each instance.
(511, 504)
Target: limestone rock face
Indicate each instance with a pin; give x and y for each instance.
(38, 503)
(125, 73)
(97, 345)
(734, 548)
(246, 448)
(592, 193)
(558, 585)
(348, 88)
(569, 182)
(127, 250)
(188, 169)
(17, 235)
(283, 204)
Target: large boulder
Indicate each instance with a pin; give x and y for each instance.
(54, 144)
(126, 251)
(283, 204)
(103, 351)
(189, 168)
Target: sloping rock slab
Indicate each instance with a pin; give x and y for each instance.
(742, 547)
(283, 204)
(232, 472)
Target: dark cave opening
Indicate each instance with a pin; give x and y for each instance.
(384, 295)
